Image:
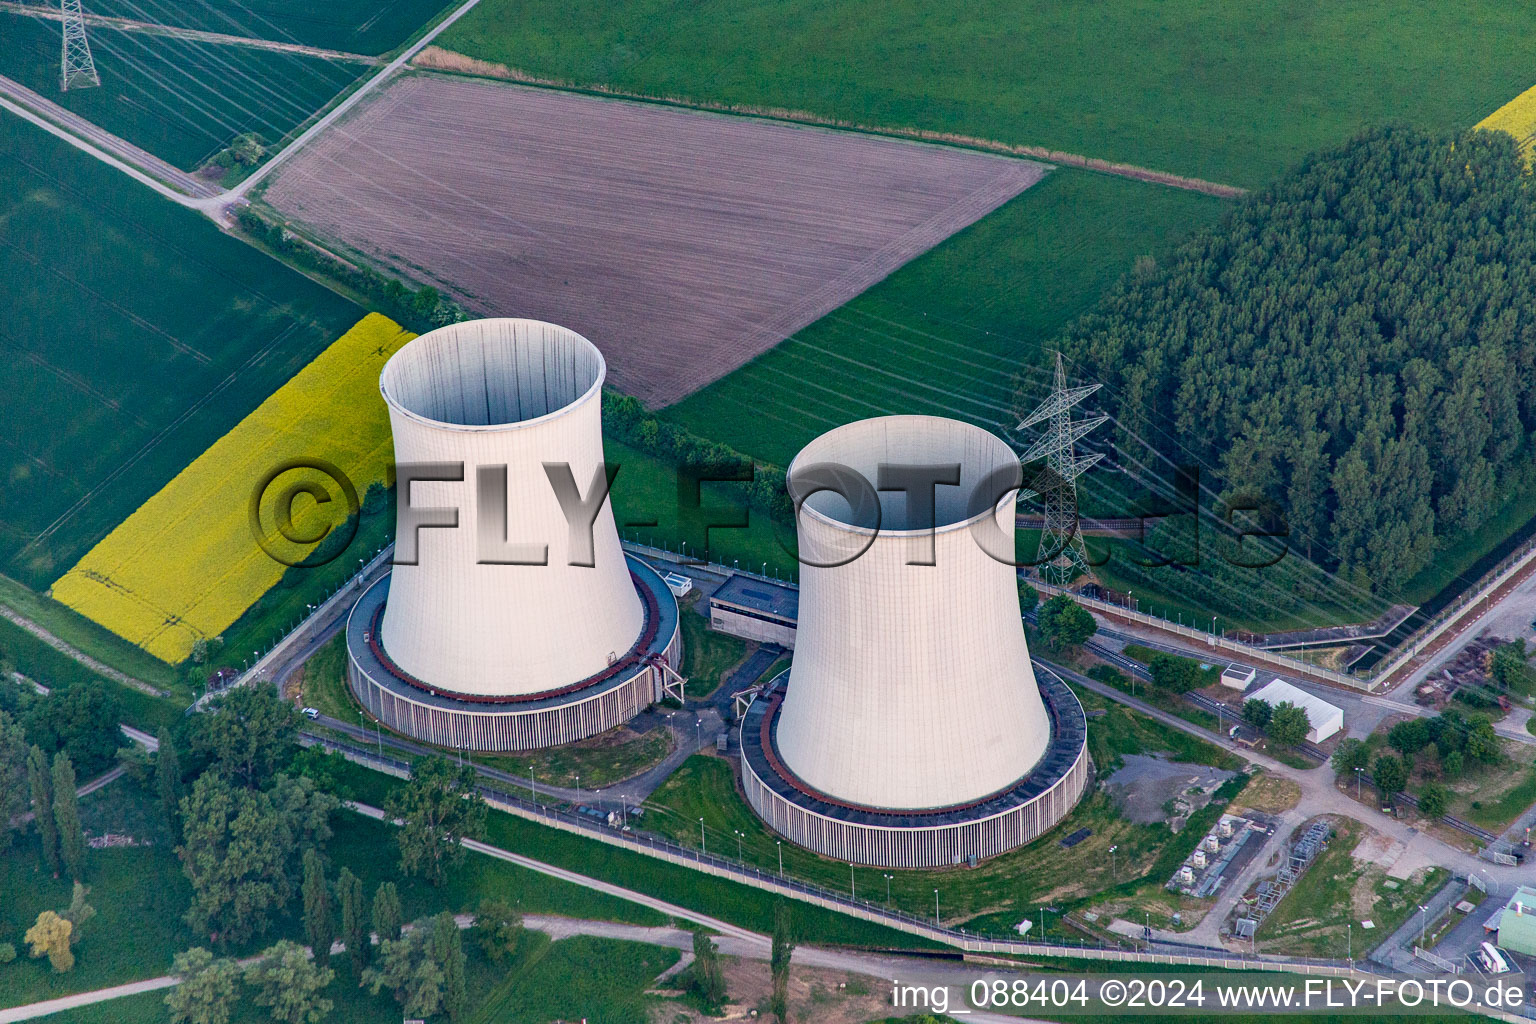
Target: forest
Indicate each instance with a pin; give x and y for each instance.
(1353, 345)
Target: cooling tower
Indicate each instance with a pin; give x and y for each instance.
(912, 730)
(512, 618)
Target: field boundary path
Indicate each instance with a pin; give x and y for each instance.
(435, 58)
(196, 35)
(743, 874)
(217, 207)
(70, 651)
(97, 140)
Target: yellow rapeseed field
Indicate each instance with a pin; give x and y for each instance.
(1518, 118)
(185, 564)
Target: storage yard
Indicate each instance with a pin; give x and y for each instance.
(683, 244)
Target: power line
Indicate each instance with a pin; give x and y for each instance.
(77, 68)
(1057, 486)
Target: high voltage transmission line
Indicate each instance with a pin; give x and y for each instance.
(77, 67)
(1056, 485)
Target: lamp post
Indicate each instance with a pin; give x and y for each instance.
(702, 846)
(533, 785)
(1114, 870)
(888, 890)
(780, 844)
(1423, 921)
(738, 843)
(1358, 773)
(853, 888)
(1349, 943)
(936, 923)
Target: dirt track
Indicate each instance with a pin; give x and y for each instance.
(683, 244)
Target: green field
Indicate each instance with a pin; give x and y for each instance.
(144, 334)
(1227, 92)
(183, 101)
(947, 334)
(352, 26)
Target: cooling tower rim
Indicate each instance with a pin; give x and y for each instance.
(884, 531)
(397, 406)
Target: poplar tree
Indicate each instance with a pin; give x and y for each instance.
(168, 783)
(386, 912)
(319, 922)
(41, 782)
(66, 817)
(354, 919)
(448, 951)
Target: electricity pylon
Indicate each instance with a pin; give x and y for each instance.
(77, 68)
(1056, 484)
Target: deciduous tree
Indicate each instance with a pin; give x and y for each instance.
(406, 967)
(498, 928)
(14, 792)
(437, 808)
(249, 733)
(79, 911)
(1173, 673)
(290, 984)
(1410, 737)
(706, 977)
(207, 991)
(1257, 713)
(1289, 724)
(1351, 754)
(240, 850)
(1029, 598)
(80, 718)
(1432, 800)
(1390, 775)
(1065, 623)
(49, 937)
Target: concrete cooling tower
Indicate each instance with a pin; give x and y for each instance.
(911, 730)
(512, 618)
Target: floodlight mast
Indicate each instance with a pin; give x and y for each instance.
(77, 69)
(1056, 484)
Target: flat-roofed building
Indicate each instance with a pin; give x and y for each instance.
(1515, 922)
(756, 609)
(1237, 677)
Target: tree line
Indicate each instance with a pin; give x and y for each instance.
(1350, 348)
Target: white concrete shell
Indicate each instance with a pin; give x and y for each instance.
(520, 394)
(911, 685)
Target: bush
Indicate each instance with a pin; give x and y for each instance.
(1065, 623)
(1171, 672)
(7, 952)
